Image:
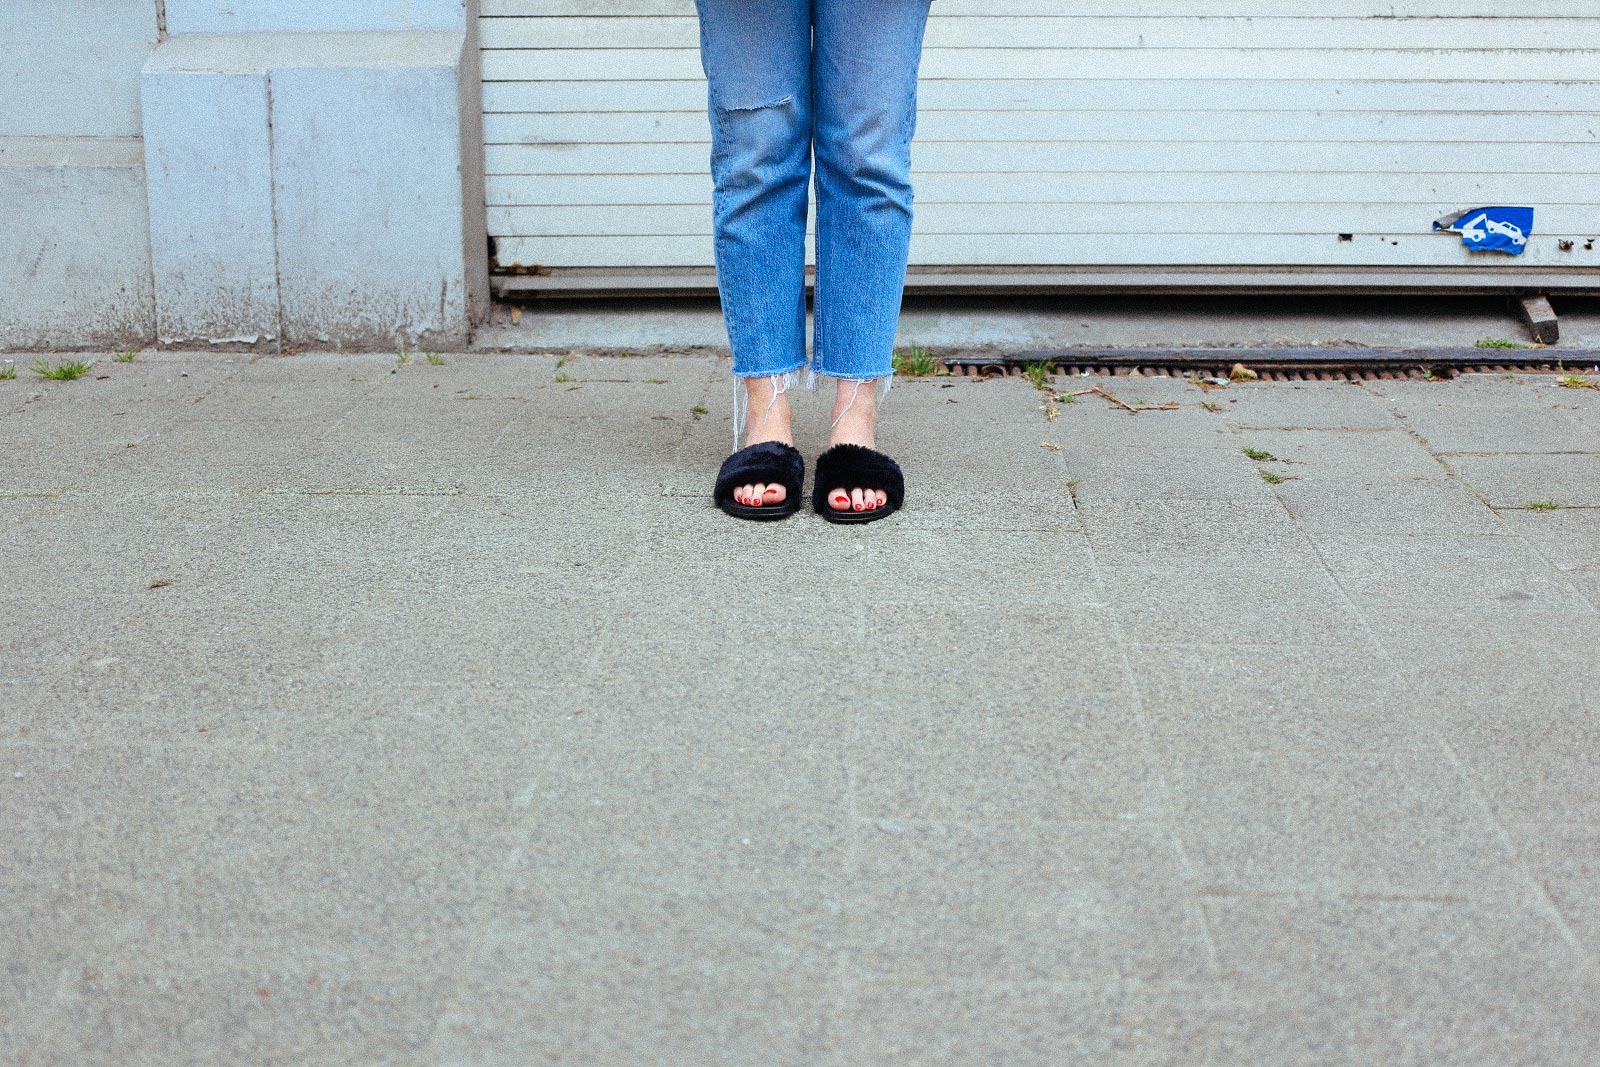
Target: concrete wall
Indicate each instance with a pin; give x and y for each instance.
(74, 231)
(312, 16)
(268, 172)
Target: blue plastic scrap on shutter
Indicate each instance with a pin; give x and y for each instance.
(1491, 229)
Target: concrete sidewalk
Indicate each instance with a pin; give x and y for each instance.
(358, 713)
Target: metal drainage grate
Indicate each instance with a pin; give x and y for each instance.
(1282, 364)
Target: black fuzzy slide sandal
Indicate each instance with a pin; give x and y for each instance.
(856, 466)
(769, 463)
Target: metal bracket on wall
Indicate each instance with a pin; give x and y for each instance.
(1541, 318)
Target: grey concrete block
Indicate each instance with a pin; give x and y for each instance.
(73, 71)
(308, 16)
(931, 903)
(993, 575)
(80, 238)
(1569, 538)
(1103, 473)
(1190, 528)
(391, 266)
(1563, 859)
(1348, 458)
(1217, 700)
(646, 977)
(1409, 982)
(208, 147)
(1492, 578)
(1303, 406)
(1399, 823)
(1253, 595)
(93, 544)
(1516, 481)
(341, 270)
(1485, 423)
(1423, 506)
(1165, 1022)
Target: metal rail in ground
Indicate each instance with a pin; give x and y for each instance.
(1282, 364)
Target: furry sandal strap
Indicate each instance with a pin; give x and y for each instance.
(856, 466)
(769, 463)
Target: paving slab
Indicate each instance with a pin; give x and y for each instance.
(422, 713)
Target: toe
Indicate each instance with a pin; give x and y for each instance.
(839, 500)
(756, 492)
(774, 494)
(857, 501)
(883, 498)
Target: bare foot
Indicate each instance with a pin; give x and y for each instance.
(769, 419)
(855, 422)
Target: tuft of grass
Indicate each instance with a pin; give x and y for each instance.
(401, 351)
(1038, 372)
(915, 362)
(434, 358)
(65, 371)
(562, 362)
(1272, 478)
(1497, 342)
(1257, 454)
(470, 396)
(1576, 381)
(564, 377)
(1543, 505)
(698, 410)
(127, 357)
(8, 371)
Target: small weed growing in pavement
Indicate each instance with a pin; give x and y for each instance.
(1496, 342)
(1272, 478)
(698, 410)
(470, 396)
(8, 371)
(1543, 505)
(65, 371)
(562, 362)
(1257, 454)
(565, 378)
(434, 358)
(127, 357)
(404, 355)
(1037, 372)
(655, 381)
(915, 362)
(1576, 381)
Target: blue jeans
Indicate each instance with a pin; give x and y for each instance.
(788, 78)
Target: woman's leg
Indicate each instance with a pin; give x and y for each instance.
(757, 59)
(864, 90)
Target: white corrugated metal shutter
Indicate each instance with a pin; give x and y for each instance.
(1207, 137)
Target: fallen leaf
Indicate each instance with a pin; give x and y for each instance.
(1241, 373)
(1051, 445)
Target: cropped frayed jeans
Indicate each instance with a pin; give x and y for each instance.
(789, 79)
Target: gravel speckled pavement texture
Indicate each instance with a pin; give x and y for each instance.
(357, 713)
